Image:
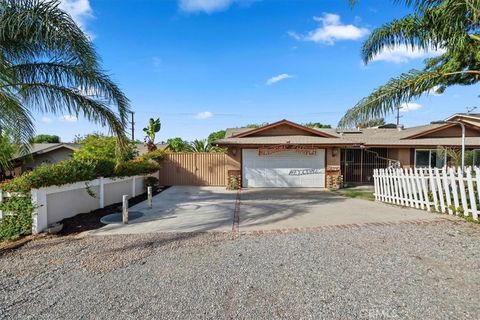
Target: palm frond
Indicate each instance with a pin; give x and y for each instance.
(389, 96)
(30, 29)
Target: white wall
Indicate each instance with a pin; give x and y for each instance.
(57, 203)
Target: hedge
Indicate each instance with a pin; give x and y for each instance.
(17, 220)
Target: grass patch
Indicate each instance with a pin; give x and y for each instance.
(354, 192)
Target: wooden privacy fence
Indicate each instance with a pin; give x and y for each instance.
(448, 190)
(194, 169)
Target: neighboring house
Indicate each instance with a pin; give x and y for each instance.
(40, 153)
(51, 153)
(286, 154)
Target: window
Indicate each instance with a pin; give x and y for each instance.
(430, 158)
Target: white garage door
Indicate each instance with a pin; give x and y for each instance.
(288, 169)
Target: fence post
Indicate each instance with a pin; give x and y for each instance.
(133, 186)
(125, 209)
(477, 178)
(438, 181)
(149, 193)
(101, 192)
(40, 213)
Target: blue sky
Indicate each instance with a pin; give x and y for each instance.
(204, 65)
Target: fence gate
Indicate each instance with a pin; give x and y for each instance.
(193, 169)
(357, 165)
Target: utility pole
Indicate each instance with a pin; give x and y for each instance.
(133, 125)
(398, 116)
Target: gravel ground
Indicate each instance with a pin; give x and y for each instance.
(387, 272)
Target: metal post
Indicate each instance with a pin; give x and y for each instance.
(149, 193)
(125, 209)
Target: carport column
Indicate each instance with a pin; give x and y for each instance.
(39, 214)
(101, 193)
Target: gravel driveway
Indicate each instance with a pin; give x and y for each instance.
(406, 271)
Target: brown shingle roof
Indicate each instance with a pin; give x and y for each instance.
(368, 137)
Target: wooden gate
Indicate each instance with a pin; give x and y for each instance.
(193, 169)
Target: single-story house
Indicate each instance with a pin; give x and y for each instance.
(287, 154)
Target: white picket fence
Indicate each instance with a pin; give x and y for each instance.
(448, 190)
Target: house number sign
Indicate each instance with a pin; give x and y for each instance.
(304, 172)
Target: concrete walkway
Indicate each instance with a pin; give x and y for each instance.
(213, 209)
(181, 209)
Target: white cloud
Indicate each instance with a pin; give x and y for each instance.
(47, 120)
(207, 6)
(68, 118)
(331, 30)
(278, 78)
(79, 10)
(204, 115)
(410, 106)
(403, 54)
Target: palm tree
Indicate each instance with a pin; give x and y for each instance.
(48, 65)
(150, 130)
(449, 25)
(203, 146)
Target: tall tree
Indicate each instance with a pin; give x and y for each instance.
(217, 135)
(371, 123)
(151, 130)
(45, 138)
(48, 65)
(178, 145)
(317, 125)
(449, 25)
(203, 146)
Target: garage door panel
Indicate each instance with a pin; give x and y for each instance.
(285, 169)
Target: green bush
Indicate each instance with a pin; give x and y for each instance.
(17, 218)
(155, 155)
(135, 167)
(151, 182)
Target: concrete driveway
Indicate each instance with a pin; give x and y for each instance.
(212, 209)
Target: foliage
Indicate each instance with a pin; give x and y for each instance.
(135, 167)
(203, 146)
(178, 145)
(156, 155)
(99, 146)
(253, 126)
(151, 182)
(48, 64)
(75, 170)
(454, 156)
(371, 123)
(45, 138)
(234, 182)
(217, 135)
(450, 25)
(317, 125)
(150, 130)
(7, 151)
(17, 220)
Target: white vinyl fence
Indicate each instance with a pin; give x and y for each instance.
(448, 190)
(56, 203)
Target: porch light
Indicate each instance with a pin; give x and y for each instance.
(234, 151)
(334, 152)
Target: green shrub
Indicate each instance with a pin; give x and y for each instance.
(151, 182)
(156, 155)
(136, 167)
(17, 218)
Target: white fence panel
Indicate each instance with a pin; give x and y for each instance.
(449, 190)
